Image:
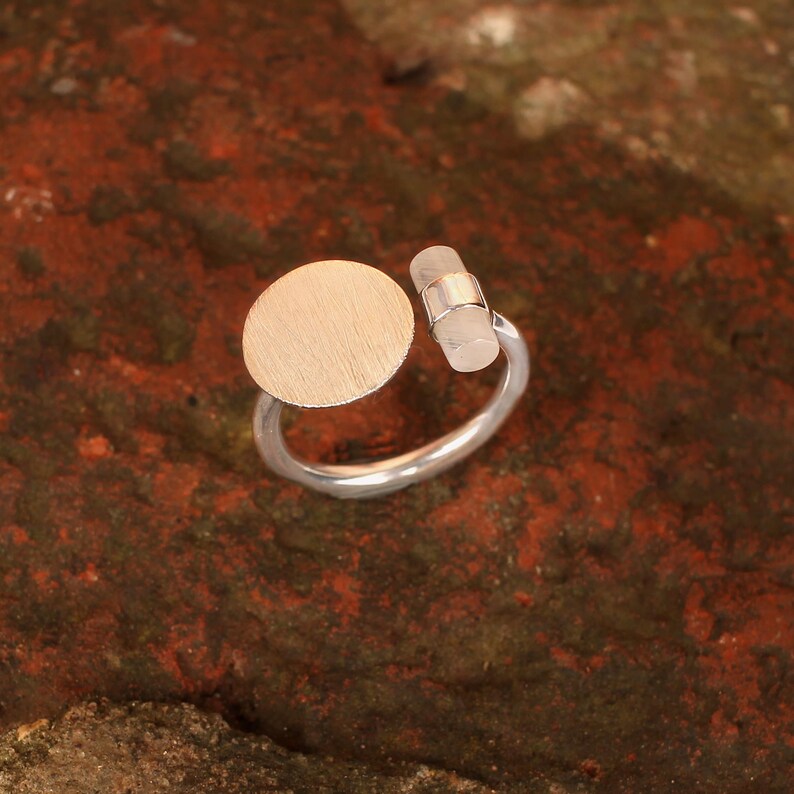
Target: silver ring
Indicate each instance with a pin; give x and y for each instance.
(331, 332)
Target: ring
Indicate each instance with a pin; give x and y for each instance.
(331, 332)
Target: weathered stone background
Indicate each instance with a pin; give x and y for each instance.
(600, 600)
(176, 748)
(706, 85)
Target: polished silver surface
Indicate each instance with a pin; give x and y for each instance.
(449, 293)
(377, 478)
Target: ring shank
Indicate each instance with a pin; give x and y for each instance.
(377, 478)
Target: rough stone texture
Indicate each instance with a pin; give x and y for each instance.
(707, 86)
(146, 747)
(600, 599)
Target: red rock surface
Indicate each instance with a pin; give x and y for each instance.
(601, 598)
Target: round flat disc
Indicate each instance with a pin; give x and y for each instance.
(327, 333)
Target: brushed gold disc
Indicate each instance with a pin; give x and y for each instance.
(327, 333)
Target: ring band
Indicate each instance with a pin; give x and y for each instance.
(380, 477)
(377, 478)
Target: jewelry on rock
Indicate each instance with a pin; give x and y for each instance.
(331, 332)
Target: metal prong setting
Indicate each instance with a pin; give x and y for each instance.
(448, 293)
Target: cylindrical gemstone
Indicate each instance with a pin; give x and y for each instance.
(459, 318)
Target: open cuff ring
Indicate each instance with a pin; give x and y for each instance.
(329, 333)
